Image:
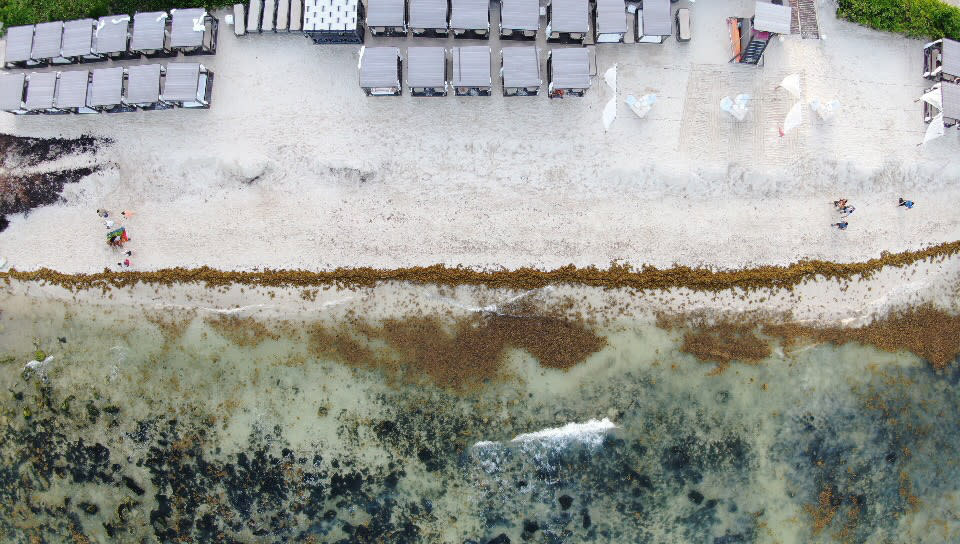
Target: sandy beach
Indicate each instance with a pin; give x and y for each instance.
(293, 167)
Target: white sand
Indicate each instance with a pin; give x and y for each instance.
(347, 180)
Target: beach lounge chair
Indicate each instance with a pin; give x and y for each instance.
(19, 42)
(683, 25)
(427, 72)
(106, 90)
(111, 39)
(71, 93)
(239, 20)
(519, 19)
(11, 93)
(380, 71)
(78, 41)
(471, 71)
(520, 71)
(40, 90)
(150, 34)
(187, 85)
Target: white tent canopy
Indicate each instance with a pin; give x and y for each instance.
(791, 84)
(794, 118)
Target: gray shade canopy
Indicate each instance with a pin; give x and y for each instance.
(951, 57)
(428, 13)
(107, 87)
(11, 91)
(19, 43)
(611, 17)
(570, 68)
(520, 14)
(656, 18)
(569, 16)
(426, 67)
(40, 89)
(470, 14)
(950, 93)
(149, 30)
(471, 66)
(385, 12)
(78, 37)
(111, 34)
(772, 18)
(183, 29)
(521, 67)
(143, 84)
(72, 89)
(181, 82)
(47, 38)
(378, 67)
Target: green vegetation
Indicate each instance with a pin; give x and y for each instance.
(23, 12)
(916, 18)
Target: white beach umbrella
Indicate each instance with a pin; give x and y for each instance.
(935, 129)
(641, 106)
(792, 84)
(610, 76)
(609, 113)
(793, 119)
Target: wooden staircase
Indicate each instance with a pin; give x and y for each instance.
(805, 19)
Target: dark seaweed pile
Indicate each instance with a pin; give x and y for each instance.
(21, 192)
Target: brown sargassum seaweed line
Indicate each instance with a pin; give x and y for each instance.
(616, 276)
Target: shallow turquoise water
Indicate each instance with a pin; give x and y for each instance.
(131, 434)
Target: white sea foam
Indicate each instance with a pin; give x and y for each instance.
(591, 432)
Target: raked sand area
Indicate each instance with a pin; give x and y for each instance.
(347, 180)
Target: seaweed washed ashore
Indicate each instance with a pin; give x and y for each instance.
(616, 276)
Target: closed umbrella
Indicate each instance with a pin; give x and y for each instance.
(793, 119)
(935, 129)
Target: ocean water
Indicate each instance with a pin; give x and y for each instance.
(153, 422)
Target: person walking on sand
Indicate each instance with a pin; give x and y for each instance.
(846, 211)
(842, 225)
(127, 214)
(908, 204)
(840, 203)
(103, 213)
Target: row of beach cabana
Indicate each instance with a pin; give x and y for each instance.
(941, 101)
(151, 34)
(568, 21)
(432, 71)
(107, 90)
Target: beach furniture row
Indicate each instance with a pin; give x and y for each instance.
(324, 21)
(568, 21)
(151, 34)
(433, 71)
(107, 90)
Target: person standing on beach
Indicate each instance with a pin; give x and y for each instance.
(840, 203)
(908, 204)
(842, 225)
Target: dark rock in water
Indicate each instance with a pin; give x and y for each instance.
(132, 485)
(502, 538)
(89, 508)
(735, 538)
(529, 528)
(565, 501)
(695, 496)
(712, 503)
(62, 339)
(586, 520)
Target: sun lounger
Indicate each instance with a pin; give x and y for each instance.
(239, 20)
(683, 25)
